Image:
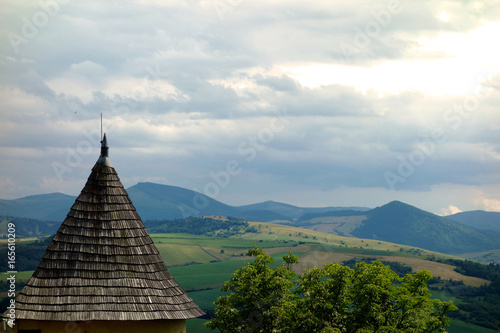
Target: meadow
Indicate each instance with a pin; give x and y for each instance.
(487, 256)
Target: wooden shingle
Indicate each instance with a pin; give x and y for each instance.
(102, 263)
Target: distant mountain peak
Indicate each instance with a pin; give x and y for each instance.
(398, 203)
(399, 207)
(47, 195)
(399, 222)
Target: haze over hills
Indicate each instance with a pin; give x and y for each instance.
(50, 207)
(394, 222)
(294, 212)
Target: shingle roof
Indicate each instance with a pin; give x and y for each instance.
(102, 264)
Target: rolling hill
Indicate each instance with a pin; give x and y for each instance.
(394, 222)
(478, 219)
(156, 201)
(53, 206)
(286, 211)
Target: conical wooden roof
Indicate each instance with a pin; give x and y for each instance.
(102, 264)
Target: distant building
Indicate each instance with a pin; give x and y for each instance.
(102, 272)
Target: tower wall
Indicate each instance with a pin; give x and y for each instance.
(140, 326)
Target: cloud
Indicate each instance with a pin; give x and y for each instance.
(450, 210)
(491, 205)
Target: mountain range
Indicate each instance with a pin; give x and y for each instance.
(155, 201)
(394, 222)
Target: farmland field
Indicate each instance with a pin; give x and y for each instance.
(444, 271)
(19, 240)
(20, 276)
(456, 326)
(176, 254)
(313, 248)
(343, 225)
(487, 256)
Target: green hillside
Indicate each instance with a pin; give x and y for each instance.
(486, 256)
(201, 263)
(393, 222)
(155, 201)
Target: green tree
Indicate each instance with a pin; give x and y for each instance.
(369, 298)
(259, 296)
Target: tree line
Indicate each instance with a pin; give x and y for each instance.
(481, 305)
(200, 226)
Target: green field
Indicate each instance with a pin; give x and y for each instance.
(176, 254)
(3, 227)
(196, 326)
(20, 276)
(203, 276)
(456, 326)
(236, 242)
(488, 256)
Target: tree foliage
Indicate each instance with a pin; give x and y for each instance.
(335, 298)
(28, 254)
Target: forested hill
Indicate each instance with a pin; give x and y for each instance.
(401, 223)
(478, 219)
(52, 206)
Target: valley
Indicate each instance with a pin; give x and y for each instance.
(394, 222)
(202, 263)
(202, 247)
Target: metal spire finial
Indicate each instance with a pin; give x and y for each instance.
(104, 146)
(103, 159)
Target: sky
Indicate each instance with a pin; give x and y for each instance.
(311, 103)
